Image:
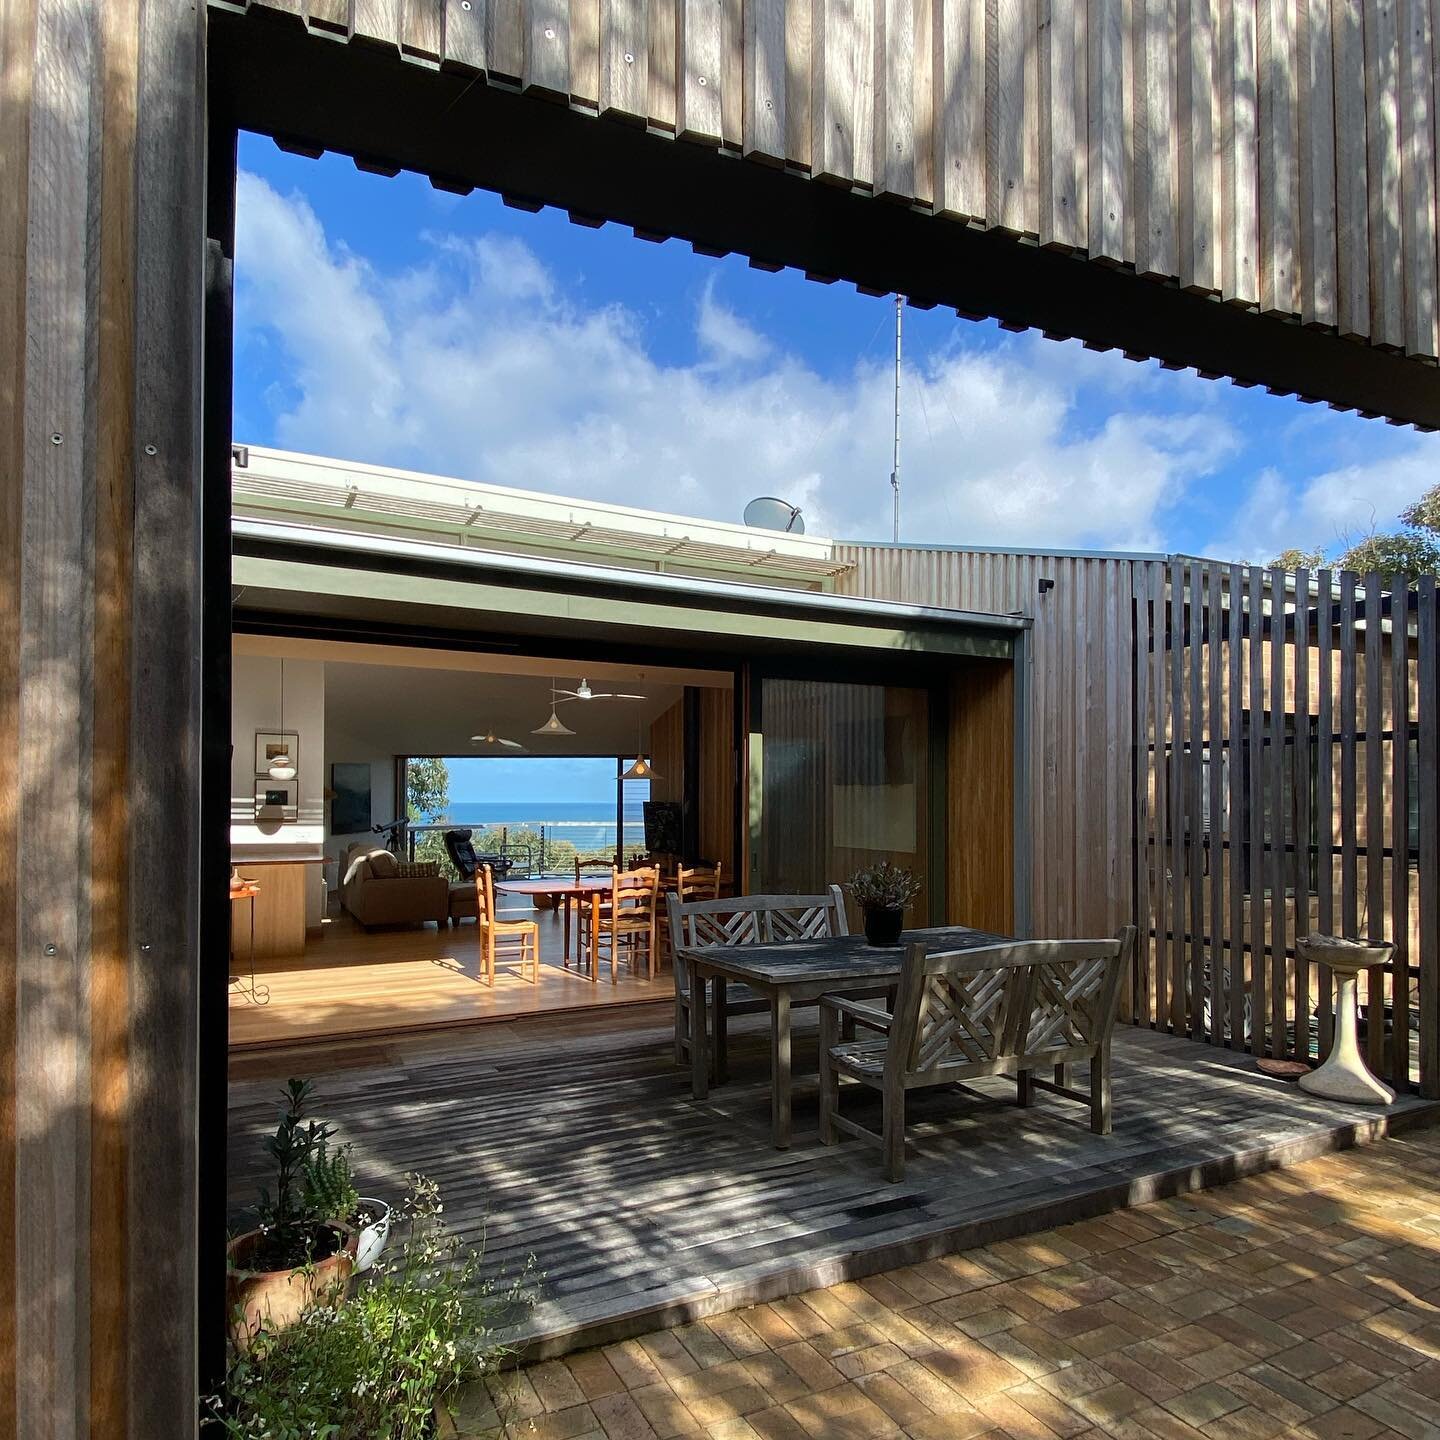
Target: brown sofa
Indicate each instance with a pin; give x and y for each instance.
(375, 893)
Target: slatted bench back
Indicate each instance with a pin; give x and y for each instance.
(987, 1007)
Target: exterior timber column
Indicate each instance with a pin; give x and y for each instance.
(101, 288)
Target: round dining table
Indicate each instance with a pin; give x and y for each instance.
(566, 892)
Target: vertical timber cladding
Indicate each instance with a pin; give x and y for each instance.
(1079, 738)
(101, 117)
(1265, 746)
(1277, 156)
(1289, 734)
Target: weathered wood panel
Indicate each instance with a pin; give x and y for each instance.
(101, 123)
(980, 801)
(1080, 726)
(1280, 726)
(1279, 153)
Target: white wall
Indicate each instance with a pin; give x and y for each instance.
(255, 705)
(343, 748)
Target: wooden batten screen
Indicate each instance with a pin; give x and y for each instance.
(1286, 737)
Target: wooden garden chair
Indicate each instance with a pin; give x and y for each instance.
(627, 917)
(496, 927)
(743, 920)
(1002, 1010)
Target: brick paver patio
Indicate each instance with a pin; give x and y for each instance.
(1305, 1302)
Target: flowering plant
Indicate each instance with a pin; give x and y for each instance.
(373, 1368)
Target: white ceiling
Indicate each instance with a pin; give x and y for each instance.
(400, 710)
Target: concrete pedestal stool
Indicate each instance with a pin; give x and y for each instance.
(1344, 1076)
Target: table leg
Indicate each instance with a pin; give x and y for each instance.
(594, 936)
(780, 1069)
(699, 1035)
(565, 901)
(721, 1026)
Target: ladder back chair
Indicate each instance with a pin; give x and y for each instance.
(628, 916)
(700, 881)
(1001, 1010)
(496, 926)
(743, 920)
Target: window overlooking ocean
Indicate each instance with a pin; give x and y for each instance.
(546, 811)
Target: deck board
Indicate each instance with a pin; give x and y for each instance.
(574, 1139)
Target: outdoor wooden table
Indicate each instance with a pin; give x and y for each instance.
(568, 892)
(790, 973)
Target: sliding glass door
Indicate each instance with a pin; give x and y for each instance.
(842, 776)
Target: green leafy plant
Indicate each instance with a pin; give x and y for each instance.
(422, 1322)
(329, 1185)
(294, 1232)
(883, 886)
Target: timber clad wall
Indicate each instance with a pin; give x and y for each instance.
(1273, 154)
(1228, 757)
(101, 222)
(1079, 737)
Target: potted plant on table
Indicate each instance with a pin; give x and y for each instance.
(882, 892)
(299, 1255)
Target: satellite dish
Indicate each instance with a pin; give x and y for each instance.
(768, 513)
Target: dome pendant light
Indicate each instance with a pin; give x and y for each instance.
(282, 766)
(553, 725)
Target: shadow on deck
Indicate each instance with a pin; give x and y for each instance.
(575, 1140)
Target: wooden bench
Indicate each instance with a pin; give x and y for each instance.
(1001, 1010)
(744, 920)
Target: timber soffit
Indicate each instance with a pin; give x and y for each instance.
(1249, 263)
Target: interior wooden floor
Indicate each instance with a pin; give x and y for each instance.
(356, 983)
(575, 1140)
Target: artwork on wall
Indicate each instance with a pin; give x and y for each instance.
(663, 827)
(277, 799)
(270, 743)
(350, 803)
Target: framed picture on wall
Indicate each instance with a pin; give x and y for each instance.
(270, 743)
(277, 799)
(350, 802)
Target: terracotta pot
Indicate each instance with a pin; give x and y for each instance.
(883, 927)
(275, 1299)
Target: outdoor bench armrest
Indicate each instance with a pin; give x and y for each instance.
(863, 1014)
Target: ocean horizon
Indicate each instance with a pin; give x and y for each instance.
(586, 824)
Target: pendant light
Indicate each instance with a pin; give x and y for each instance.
(553, 725)
(640, 767)
(282, 766)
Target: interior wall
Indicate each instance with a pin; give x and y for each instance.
(255, 705)
(343, 748)
(667, 754)
(980, 808)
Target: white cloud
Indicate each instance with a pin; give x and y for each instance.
(1332, 510)
(477, 365)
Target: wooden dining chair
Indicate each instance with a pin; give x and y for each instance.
(495, 928)
(626, 918)
(700, 882)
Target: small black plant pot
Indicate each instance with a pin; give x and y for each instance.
(883, 927)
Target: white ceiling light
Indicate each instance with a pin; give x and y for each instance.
(491, 738)
(553, 725)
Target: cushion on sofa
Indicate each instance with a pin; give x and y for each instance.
(418, 870)
(383, 865)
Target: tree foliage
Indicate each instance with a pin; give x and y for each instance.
(427, 789)
(1412, 550)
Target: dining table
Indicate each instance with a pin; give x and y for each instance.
(790, 973)
(567, 892)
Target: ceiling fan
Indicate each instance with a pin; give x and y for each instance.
(489, 737)
(584, 692)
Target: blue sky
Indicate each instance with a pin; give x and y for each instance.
(499, 781)
(383, 321)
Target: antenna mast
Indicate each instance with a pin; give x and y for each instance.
(895, 462)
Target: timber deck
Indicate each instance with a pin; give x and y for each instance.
(575, 1140)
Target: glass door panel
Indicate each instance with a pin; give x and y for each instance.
(845, 783)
